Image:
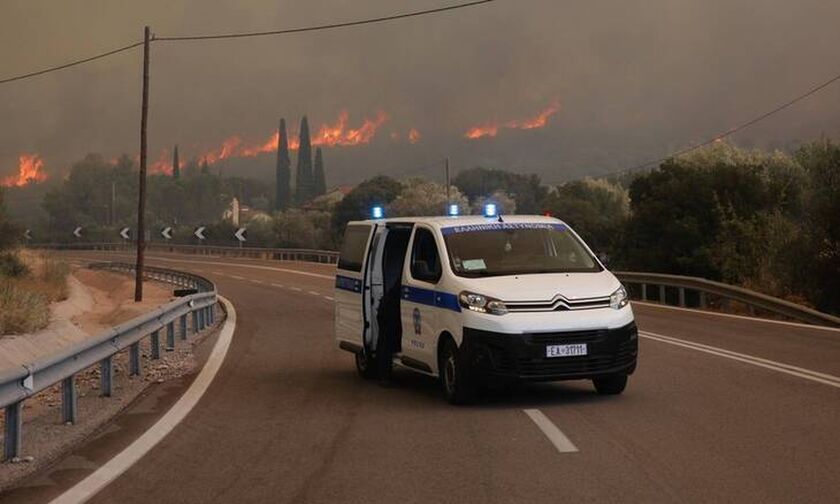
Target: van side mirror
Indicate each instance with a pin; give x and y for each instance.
(604, 258)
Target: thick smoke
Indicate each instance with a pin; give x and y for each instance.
(634, 79)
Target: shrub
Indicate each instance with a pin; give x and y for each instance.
(12, 266)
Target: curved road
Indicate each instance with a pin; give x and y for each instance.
(287, 419)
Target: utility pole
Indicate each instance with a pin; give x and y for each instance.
(448, 200)
(141, 204)
(114, 203)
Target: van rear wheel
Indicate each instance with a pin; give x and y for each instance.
(458, 386)
(613, 384)
(365, 366)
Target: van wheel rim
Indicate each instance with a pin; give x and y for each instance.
(449, 373)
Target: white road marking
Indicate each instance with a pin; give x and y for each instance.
(328, 298)
(314, 293)
(555, 435)
(218, 273)
(237, 277)
(279, 286)
(741, 317)
(296, 289)
(111, 470)
(257, 281)
(780, 367)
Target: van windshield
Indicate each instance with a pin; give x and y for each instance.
(516, 249)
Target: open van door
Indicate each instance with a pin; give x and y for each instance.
(350, 298)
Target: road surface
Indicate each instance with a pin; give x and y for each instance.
(287, 419)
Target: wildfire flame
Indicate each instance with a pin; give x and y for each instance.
(337, 134)
(29, 171)
(492, 129)
(413, 136)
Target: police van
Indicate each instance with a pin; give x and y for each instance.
(470, 299)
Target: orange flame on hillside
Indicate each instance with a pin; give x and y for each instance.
(492, 129)
(29, 171)
(337, 134)
(413, 136)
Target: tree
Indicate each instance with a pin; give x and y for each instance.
(283, 172)
(8, 231)
(379, 190)
(821, 161)
(298, 228)
(176, 165)
(303, 175)
(596, 209)
(480, 182)
(420, 197)
(697, 210)
(320, 179)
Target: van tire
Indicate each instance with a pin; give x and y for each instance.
(365, 366)
(455, 378)
(613, 384)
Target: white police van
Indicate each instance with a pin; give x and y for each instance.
(473, 298)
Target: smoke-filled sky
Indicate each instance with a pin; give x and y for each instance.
(634, 80)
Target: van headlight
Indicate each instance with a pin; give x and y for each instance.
(482, 304)
(619, 298)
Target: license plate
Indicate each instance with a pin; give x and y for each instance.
(565, 350)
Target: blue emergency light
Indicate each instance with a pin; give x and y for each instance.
(490, 210)
(377, 212)
(453, 210)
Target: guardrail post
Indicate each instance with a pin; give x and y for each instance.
(195, 322)
(662, 294)
(682, 297)
(702, 300)
(155, 341)
(212, 314)
(69, 402)
(644, 292)
(106, 376)
(134, 368)
(13, 435)
(183, 322)
(170, 336)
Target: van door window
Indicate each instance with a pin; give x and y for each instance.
(425, 260)
(353, 250)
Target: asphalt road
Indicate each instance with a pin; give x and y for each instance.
(287, 419)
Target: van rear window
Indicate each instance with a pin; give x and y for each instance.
(353, 250)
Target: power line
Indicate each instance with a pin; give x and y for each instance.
(730, 131)
(246, 34)
(323, 26)
(71, 64)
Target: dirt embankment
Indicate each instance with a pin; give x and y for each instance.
(97, 300)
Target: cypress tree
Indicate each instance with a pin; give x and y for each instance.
(303, 174)
(205, 167)
(283, 171)
(176, 166)
(319, 176)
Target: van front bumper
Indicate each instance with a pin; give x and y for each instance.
(523, 356)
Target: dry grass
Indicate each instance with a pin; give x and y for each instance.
(25, 299)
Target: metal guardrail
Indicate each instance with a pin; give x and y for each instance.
(278, 254)
(706, 288)
(19, 383)
(699, 289)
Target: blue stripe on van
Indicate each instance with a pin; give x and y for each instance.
(430, 297)
(348, 284)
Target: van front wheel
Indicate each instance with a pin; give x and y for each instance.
(613, 384)
(455, 379)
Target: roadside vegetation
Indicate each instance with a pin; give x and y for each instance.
(29, 282)
(767, 220)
